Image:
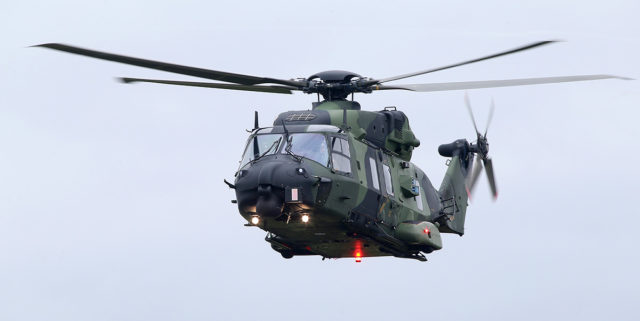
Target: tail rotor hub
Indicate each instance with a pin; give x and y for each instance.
(481, 147)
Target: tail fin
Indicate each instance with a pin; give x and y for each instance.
(453, 191)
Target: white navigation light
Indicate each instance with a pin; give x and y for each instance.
(305, 218)
(255, 220)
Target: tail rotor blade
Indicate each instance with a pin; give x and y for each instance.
(493, 106)
(488, 164)
(473, 178)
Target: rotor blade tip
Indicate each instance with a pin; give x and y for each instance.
(124, 80)
(543, 43)
(617, 77)
(47, 45)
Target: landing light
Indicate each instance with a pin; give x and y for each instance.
(255, 220)
(305, 218)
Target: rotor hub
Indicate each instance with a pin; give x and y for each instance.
(336, 84)
(334, 76)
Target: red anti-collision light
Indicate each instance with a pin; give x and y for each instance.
(358, 257)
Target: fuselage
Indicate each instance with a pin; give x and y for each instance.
(326, 190)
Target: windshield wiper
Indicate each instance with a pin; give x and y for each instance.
(275, 143)
(288, 150)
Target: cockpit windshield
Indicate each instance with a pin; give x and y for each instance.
(259, 146)
(311, 146)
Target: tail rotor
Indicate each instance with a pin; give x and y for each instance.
(481, 150)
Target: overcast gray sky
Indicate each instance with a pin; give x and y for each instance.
(112, 205)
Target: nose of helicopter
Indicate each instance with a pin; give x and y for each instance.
(270, 201)
(266, 186)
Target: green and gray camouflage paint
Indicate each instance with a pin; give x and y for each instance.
(384, 205)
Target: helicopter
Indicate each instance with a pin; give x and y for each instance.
(337, 181)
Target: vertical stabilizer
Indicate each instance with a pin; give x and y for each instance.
(453, 192)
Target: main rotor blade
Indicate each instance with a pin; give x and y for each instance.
(468, 104)
(488, 165)
(267, 89)
(179, 69)
(504, 53)
(493, 83)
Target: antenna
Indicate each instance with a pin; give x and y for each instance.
(255, 121)
(286, 132)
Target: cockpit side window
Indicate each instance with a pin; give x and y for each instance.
(340, 155)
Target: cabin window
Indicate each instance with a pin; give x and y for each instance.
(260, 145)
(340, 155)
(310, 146)
(387, 179)
(374, 174)
(419, 197)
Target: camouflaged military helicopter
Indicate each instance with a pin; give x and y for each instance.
(337, 181)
